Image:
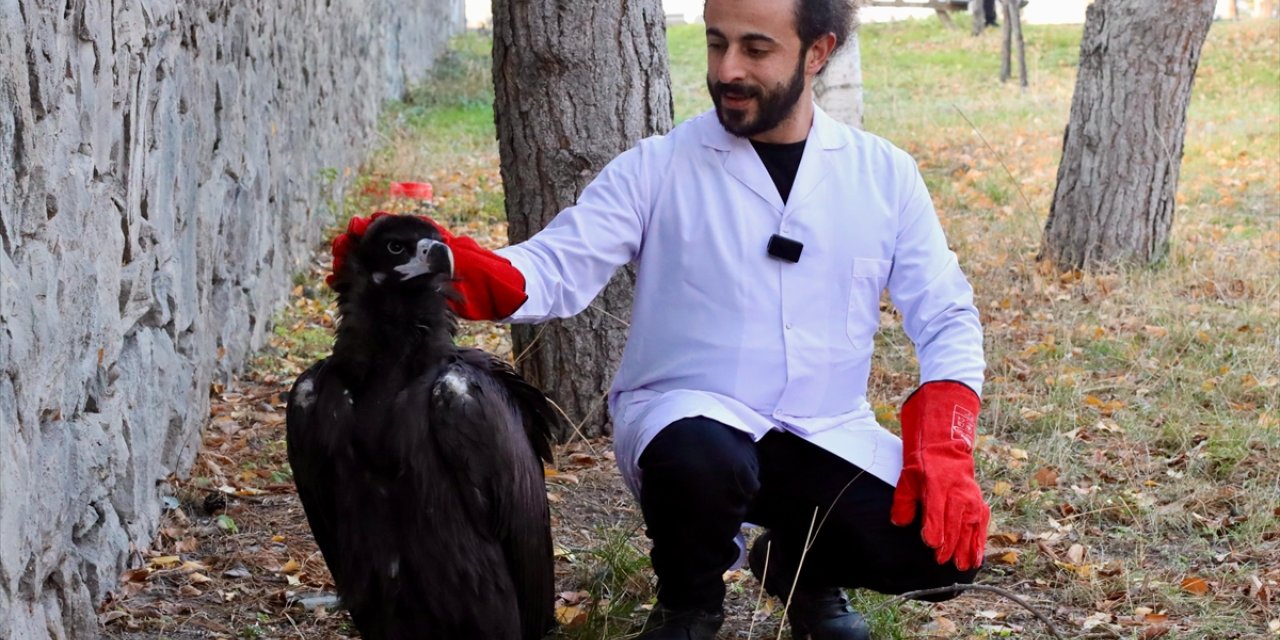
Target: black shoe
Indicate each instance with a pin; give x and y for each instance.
(681, 624)
(825, 614)
(814, 614)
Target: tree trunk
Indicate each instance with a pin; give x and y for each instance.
(1006, 44)
(1232, 10)
(979, 17)
(1114, 201)
(1012, 32)
(573, 89)
(839, 88)
(1264, 8)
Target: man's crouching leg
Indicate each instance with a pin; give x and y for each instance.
(855, 544)
(698, 477)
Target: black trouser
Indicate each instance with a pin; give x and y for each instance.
(989, 8)
(702, 479)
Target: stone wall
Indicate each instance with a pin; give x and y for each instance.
(161, 179)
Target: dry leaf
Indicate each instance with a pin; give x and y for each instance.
(291, 566)
(939, 627)
(1047, 477)
(1008, 557)
(1007, 538)
(1153, 632)
(1076, 554)
(583, 459)
(1094, 620)
(570, 616)
(1196, 585)
(1002, 488)
(165, 561)
(135, 575)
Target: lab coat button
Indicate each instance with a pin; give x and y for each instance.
(788, 326)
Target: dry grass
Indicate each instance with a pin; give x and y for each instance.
(1131, 420)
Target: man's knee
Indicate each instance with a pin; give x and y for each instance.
(703, 458)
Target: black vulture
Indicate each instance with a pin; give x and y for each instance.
(417, 461)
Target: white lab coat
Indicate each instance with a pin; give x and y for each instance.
(722, 330)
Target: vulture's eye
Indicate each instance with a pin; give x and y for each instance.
(395, 248)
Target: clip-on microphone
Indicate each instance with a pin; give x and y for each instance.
(785, 249)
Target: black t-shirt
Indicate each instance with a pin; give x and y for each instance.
(782, 162)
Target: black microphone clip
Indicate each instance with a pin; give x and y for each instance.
(785, 249)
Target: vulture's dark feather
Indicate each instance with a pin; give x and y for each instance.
(417, 462)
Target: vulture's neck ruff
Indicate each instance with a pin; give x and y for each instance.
(393, 300)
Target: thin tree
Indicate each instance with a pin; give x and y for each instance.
(573, 89)
(1114, 201)
(979, 17)
(839, 88)
(1012, 34)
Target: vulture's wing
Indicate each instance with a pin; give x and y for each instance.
(312, 427)
(484, 436)
(540, 417)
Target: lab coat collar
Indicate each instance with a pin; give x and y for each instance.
(744, 164)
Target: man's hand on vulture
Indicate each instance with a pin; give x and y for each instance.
(488, 286)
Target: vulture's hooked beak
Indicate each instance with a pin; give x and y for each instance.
(432, 257)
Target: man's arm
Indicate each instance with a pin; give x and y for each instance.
(933, 295)
(939, 420)
(567, 264)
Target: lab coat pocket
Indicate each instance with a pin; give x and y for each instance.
(869, 278)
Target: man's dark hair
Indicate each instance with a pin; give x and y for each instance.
(816, 18)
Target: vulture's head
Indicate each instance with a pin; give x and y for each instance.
(393, 254)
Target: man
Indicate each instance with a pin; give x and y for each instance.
(763, 233)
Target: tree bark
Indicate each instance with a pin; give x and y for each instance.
(1117, 182)
(574, 87)
(979, 17)
(839, 88)
(1232, 10)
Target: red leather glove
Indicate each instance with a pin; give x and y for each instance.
(490, 288)
(939, 422)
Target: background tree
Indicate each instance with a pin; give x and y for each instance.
(573, 89)
(839, 89)
(1114, 201)
(1012, 35)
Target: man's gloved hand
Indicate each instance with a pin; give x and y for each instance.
(939, 424)
(490, 288)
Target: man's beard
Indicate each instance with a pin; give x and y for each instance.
(772, 107)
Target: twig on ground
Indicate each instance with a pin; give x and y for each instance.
(958, 588)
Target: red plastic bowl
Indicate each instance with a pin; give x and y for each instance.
(414, 190)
